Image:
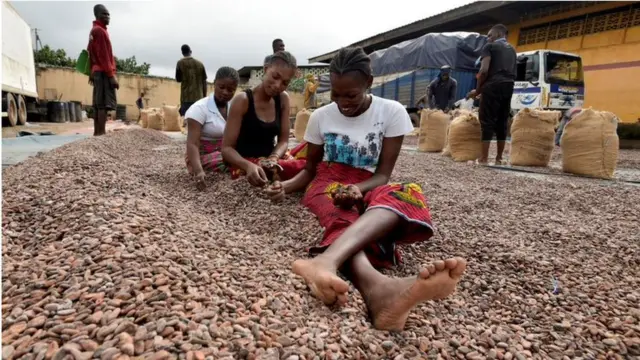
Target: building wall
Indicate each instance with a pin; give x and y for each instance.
(607, 37)
(67, 84)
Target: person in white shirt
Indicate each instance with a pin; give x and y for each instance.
(466, 103)
(206, 120)
(353, 144)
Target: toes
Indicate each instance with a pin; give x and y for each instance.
(342, 299)
(431, 268)
(424, 273)
(461, 266)
(339, 286)
(440, 265)
(451, 263)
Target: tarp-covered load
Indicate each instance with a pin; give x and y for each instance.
(460, 50)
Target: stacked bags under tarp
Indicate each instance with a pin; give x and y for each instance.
(590, 144)
(532, 137)
(464, 138)
(433, 130)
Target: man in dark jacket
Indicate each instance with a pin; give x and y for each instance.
(441, 92)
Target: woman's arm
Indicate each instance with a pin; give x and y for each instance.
(193, 145)
(285, 127)
(390, 151)
(304, 177)
(237, 108)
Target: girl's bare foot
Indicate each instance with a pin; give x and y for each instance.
(322, 280)
(390, 303)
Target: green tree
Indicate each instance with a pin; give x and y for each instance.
(59, 57)
(130, 65)
(48, 56)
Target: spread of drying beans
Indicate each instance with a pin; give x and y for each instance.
(110, 252)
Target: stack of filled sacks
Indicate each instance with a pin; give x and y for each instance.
(172, 120)
(532, 136)
(155, 119)
(433, 130)
(590, 144)
(300, 125)
(464, 139)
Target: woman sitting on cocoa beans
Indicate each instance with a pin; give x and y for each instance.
(206, 120)
(353, 144)
(257, 117)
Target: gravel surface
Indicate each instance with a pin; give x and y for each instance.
(109, 252)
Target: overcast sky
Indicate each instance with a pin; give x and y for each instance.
(232, 33)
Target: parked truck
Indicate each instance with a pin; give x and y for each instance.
(19, 93)
(547, 79)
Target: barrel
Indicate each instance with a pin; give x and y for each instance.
(65, 112)
(121, 112)
(78, 110)
(72, 111)
(55, 111)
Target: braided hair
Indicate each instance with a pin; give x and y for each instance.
(282, 56)
(351, 59)
(227, 72)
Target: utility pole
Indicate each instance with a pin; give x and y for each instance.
(37, 42)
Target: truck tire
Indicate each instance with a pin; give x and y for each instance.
(415, 119)
(12, 110)
(22, 110)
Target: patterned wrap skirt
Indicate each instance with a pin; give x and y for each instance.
(404, 199)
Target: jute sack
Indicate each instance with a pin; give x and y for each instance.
(532, 137)
(433, 130)
(590, 144)
(464, 141)
(155, 119)
(300, 126)
(171, 118)
(144, 118)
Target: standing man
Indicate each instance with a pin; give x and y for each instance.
(441, 92)
(140, 105)
(192, 76)
(310, 88)
(103, 69)
(276, 45)
(495, 82)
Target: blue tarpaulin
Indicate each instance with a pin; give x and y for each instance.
(460, 50)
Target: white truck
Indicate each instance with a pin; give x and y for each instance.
(548, 79)
(19, 92)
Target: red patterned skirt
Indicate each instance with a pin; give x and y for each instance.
(211, 159)
(406, 200)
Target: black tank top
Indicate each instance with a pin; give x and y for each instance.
(257, 138)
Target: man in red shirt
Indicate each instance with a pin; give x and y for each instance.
(103, 69)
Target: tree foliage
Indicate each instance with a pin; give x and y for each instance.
(59, 57)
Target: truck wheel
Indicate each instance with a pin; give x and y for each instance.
(22, 110)
(415, 119)
(12, 110)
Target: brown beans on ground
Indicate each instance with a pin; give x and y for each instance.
(109, 252)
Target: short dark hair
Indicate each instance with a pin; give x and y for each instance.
(351, 59)
(275, 42)
(227, 72)
(186, 50)
(283, 56)
(501, 29)
(97, 8)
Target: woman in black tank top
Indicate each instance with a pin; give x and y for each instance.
(256, 118)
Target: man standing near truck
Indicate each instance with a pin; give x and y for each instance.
(495, 82)
(441, 92)
(103, 69)
(192, 76)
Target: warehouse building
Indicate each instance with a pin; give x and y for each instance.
(605, 34)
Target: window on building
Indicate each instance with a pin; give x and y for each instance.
(615, 19)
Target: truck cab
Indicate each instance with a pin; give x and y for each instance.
(547, 79)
